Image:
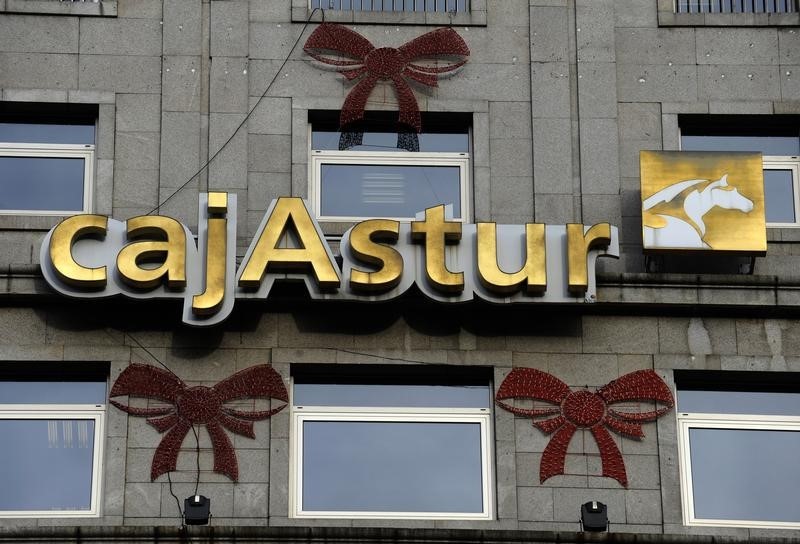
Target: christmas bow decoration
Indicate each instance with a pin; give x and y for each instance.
(198, 405)
(587, 410)
(385, 63)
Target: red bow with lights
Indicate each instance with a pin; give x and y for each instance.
(198, 405)
(385, 63)
(587, 410)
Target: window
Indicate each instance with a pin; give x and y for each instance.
(376, 171)
(736, 6)
(776, 137)
(51, 431)
(390, 442)
(738, 437)
(46, 159)
(449, 6)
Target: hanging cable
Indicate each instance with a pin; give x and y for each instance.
(246, 117)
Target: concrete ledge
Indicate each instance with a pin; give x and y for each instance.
(348, 535)
(87, 8)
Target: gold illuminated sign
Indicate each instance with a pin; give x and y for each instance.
(449, 261)
(703, 201)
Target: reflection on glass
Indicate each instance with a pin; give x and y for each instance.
(41, 183)
(745, 474)
(378, 190)
(46, 464)
(52, 392)
(38, 133)
(391, 467)
(739, 402)
(779, 196)
(387, 141)
(767, 145)
(412, 396)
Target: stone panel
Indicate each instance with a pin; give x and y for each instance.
(33, 34)
(102, 36)
(38, 70)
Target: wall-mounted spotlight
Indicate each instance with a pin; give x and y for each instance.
(196, 510)
(594, 516)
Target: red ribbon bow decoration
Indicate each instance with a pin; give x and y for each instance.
(587, 410)
(198, 405)
(385, 63)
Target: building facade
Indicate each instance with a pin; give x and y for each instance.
(198, 301)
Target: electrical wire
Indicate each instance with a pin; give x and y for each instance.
(246, 117)
(177, 500)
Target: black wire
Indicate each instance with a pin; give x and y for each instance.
(177, 501)
(197, 450)
(151, 354)
(249, 113)
(196, 437)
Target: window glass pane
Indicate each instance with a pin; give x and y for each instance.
(387, 141)
(768, 145)
(745, 474)
(377, 190)
(46, 133)
(779, 196)
(417, 396)
(46, 464)
(41, 183)
(739, 402)
(52, 392)
(391, 467)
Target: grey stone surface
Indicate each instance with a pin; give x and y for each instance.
(32, 34)
(138, 112)
(549, 34)
(551, 90)
(181, 78)
(599, 152)
(182, 27)
(595, 30)
(38, 70)
(229, 36)
(630, 13)
(742, 82)
(655, 82)
(737, 46)
(535, 504)
(655, 46)
(229, 85)
(121, 73)
(552, 155)
(597, 89)
(140, 37)
(620, 335)
(139, 9)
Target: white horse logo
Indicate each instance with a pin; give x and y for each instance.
(688, 231)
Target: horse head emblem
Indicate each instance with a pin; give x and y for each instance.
(673, 217)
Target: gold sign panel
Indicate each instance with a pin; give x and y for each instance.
(703, 201)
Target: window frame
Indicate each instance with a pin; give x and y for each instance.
(81, 151)
(774, 162)
(95, 412)
(786, 162)
(696, 420)
(320, 158)
(301, 414)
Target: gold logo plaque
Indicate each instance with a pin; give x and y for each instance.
(703, 201)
